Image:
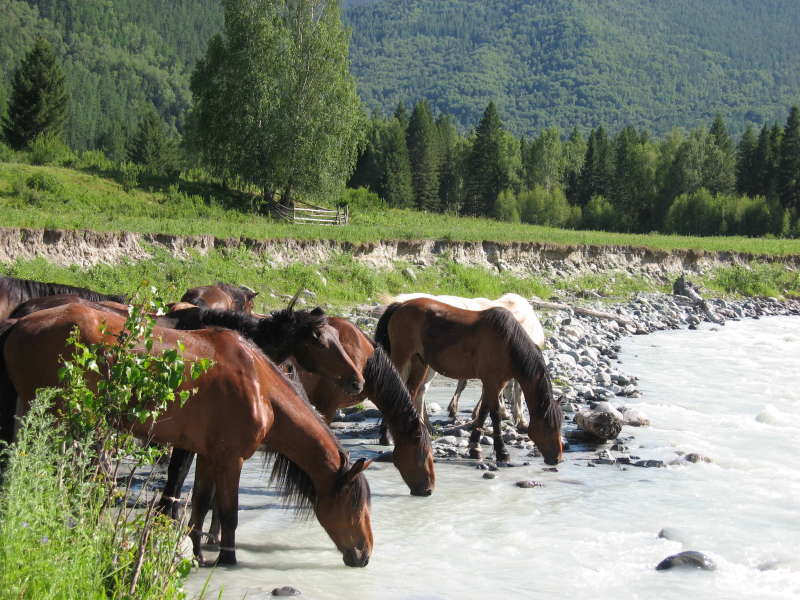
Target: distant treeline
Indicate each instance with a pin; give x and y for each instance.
(699, 182)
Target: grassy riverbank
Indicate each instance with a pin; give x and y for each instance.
(32, 196)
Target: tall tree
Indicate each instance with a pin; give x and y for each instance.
(451, 171)
(722, 159)
(789, 165)
(274, 101)
(487, 172)
(746, 183)
(39, 98)
(544, 161)
(598, 167)
(396, 184)
(423, 151)
(152, 146)
(633, 188)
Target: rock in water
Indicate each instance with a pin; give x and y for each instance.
(528, 483)
(602, 422)
(286, 590)
(489, 475)
(690, 559)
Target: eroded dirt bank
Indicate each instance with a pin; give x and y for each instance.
(86, 248)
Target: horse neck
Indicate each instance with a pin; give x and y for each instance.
(300, 435)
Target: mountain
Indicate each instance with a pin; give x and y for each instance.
(649, 63)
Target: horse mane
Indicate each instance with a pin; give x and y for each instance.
(271, 333)
(528, 360)
(396, 406)
(8, 393)
(295, 486)
(382, 328)
(19, 290)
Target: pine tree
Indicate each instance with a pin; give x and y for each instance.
(152, 147)
(721, 164)
(396, 184)
(487, 174)
(633, 187)
(789, 164)
(451, 172)
(39, 98)
(598, 168)
(423, 152)
(746, 183)
(401, 114)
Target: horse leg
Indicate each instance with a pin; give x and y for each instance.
(477, 431)
(500, 452)
(416, 376)
(516, 409)
(501, 402)
(178, 469)
(202, 494)
(212, 537)
(452, 408)
(227, 506)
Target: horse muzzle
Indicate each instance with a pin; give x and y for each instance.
(426, 491)
(353, 386)
(353, 557)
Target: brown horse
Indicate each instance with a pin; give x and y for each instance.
(14, 292)
(382, 385)
(221, 296)
(242, 402)
(463, 344)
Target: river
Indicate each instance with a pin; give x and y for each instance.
(730, 393)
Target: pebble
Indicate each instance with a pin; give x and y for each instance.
(489, 475)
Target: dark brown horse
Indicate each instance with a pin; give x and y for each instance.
(242, 402)
(464, 344)
(305, 336)
(221, 296)
(14, 292)
(383, 386)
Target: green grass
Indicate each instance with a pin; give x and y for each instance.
(756, 279)
(60, 539)
(341, 282)
(610, 287)
(72, 199)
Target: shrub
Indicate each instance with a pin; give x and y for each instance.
(506, 207)
(540, 206)
(6, 153)
(94, 159)
(48, 149)
(44, 182)
(129, 175)
(600, 214)
(362, 199)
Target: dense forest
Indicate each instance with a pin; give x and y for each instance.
(120, 59)
(651, 65)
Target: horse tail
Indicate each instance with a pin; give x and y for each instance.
(528, 362)
(382, 328)
(8, 393)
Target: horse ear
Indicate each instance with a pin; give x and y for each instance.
(358, 467)
(292, 302)
(318, 311)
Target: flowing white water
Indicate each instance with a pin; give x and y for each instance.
(732, 394)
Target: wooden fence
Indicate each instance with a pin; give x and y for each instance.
(302, 212)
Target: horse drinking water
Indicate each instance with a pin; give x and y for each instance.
(488, 345)
(242, 402)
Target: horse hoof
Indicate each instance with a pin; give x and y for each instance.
(226, 557)
(475, 453)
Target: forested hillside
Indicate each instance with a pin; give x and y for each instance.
(649, 64)
(118, 56)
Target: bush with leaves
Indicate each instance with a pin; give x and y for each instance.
(66, 531)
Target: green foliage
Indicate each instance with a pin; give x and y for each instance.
(274, 102)
(612, 286)
(65, 530)
(600, 214)
(153, 148)
(38, 103)
(756, 279)
(487, 166)
(702, 213)
(788, 172)
(49, 149)
(6, 153)
(423, 152)
(44, 182)
(550, 208)
(554, 63)
(361, 199)
(506, 207)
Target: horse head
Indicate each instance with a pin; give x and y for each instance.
(314, 343)
(343, 511)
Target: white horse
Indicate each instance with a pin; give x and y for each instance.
(524, 314)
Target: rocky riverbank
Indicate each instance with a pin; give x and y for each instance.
(582, 354)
